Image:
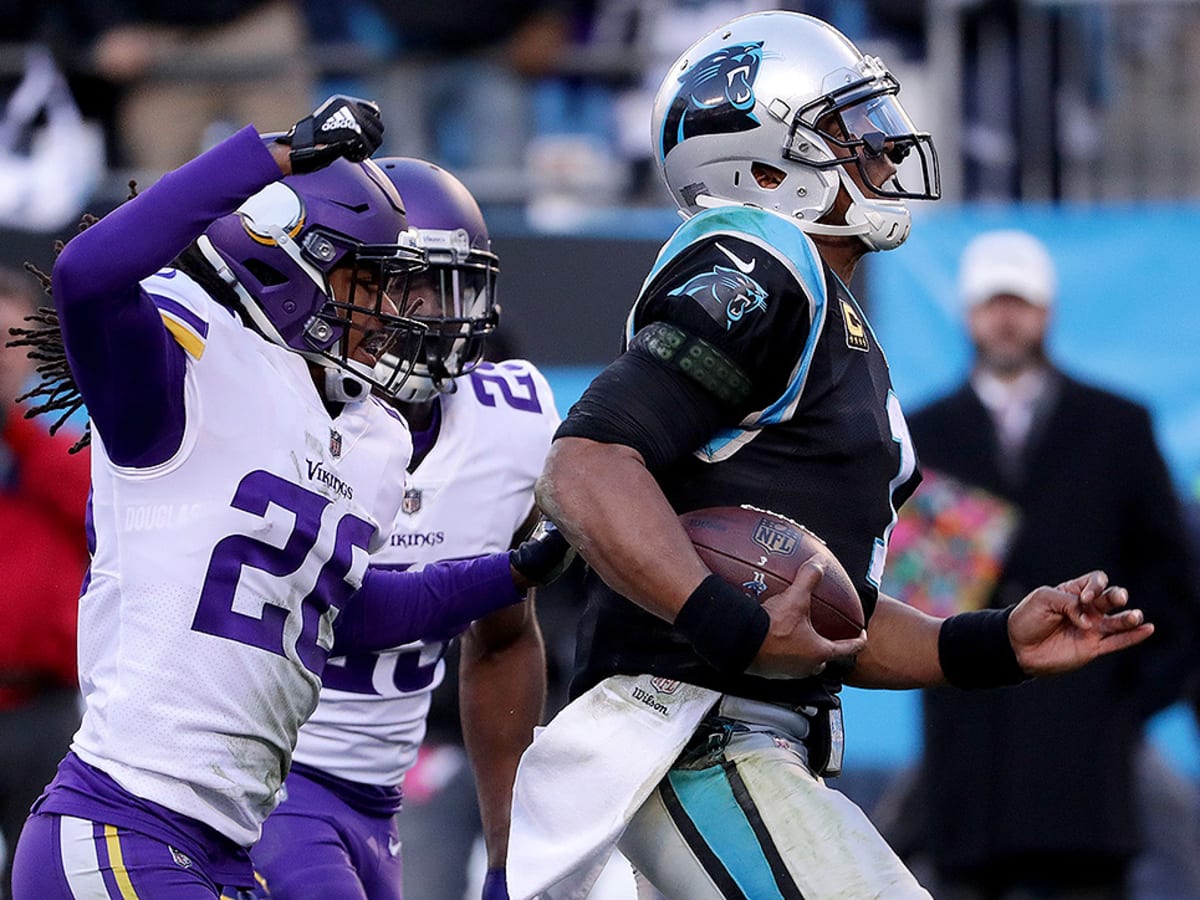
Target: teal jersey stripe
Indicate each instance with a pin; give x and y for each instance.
(708, 800)
(773, 233)
(810, 274)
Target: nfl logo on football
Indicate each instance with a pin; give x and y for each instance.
(335, 443)
(411, 503)
(774, 537)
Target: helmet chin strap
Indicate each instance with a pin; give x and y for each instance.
(881, 224)
(340, 385)
(344, 386)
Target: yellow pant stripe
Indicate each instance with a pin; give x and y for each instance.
(120, 873)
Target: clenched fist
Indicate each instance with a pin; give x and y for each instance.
(341, 127)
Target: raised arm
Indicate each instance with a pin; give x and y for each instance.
(127, 366)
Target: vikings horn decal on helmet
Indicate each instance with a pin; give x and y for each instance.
(455, 297)
(283, 250)
(787, 94)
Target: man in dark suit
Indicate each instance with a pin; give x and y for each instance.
(1008, 778)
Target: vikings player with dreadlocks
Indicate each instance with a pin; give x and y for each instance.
(223, 329)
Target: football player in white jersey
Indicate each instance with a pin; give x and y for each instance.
(480, 436)
(223, 329)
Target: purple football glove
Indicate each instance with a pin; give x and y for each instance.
(494, 885)
(340, 127)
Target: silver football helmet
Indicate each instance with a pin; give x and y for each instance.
(786, 95)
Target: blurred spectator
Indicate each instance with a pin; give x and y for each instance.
(1006, 781)
(43, 555)
(193, 67)
(51, 159)
(652, 33)
(460, 86)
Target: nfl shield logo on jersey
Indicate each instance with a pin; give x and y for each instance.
(411, 504)
(335, 443)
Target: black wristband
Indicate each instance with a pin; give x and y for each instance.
(975, 651)
(725, 627)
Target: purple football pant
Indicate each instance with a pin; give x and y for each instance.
(68, 858)
(317, 845)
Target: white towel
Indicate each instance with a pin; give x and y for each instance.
(586, 774)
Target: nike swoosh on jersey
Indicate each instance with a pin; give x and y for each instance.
(744, 267)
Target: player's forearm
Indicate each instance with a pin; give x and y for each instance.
(436, 602)
(128, 368)
(502, 696)
(141, 236)
(612, 510)
(902, 649)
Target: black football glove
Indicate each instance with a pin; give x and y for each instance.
(340, 127)
(543, 557)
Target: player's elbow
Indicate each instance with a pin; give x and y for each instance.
(69, 277)
(547, 492)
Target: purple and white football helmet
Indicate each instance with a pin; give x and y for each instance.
(280, 248)
(455, 297)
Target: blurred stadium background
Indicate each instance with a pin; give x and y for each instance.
(1078, 120)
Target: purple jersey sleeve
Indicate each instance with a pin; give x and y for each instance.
(128, 367)
(433, 603)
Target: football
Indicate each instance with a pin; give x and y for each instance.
(761, 551)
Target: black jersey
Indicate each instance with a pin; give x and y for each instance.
(818, 436)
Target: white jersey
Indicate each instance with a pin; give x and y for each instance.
(202, 629)
(468, 496)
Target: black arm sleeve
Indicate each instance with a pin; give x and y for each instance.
(648, 405)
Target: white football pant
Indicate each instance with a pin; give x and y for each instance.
(754, 823)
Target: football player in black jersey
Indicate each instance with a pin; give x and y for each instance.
(751, 376)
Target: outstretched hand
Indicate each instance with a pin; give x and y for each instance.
(341, 127)
(1058, 629)
(793, 648)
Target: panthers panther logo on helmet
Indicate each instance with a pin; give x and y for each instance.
(726, 294)
(716, 96)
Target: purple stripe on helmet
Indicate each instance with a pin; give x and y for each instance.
(181, 312)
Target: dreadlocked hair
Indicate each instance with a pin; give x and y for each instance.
(56, 389)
